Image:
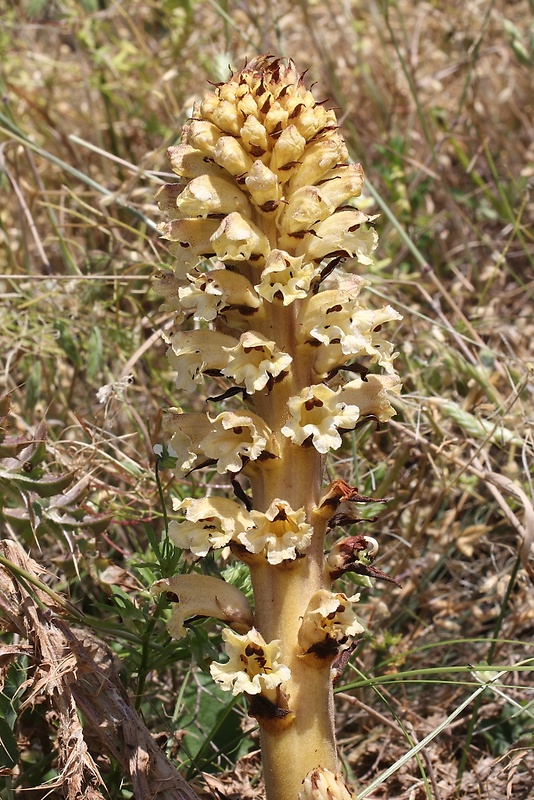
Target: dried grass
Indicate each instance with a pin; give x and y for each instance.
(436, 100)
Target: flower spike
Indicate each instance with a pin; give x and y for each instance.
(261, 223)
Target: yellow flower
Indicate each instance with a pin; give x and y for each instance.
(281, 532)
(319, 412)
(327, 623)
(253, 667)
(210, 522)
(254, 360)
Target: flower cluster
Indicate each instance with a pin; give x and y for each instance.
(260, 222)
(210, 523)
(260, 208)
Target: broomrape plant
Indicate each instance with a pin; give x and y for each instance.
(260, 223)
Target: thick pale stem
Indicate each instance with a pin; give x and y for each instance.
(282, 593)
(281, 600)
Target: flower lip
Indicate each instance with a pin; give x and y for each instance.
(286, 277)
(235, 439)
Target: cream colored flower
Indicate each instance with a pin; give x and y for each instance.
(345, 328)
(239, 239)
(327, 316)
(319, 157)
(340, 234)
(210, 523)
(322, 784)
(264, 187)
(229, 154)
(337, 315)
(190, 240)
(319, 412)
(188, 162)
(210, 195)
(188, 431)
(229, 440)
(253, 667)
(211, 293)
(254, 360)
(287, 149)
(234, 439)
(193, 353)
(280, 532)
(311, 204)
(371, 395)
(168, 285)
(327, 623)
(201, 134)
(204, 596)
(286, 278)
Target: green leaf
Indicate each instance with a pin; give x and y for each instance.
(44, 487)
(68, 343)
(495, 432)
(94, 354)
(9, 751)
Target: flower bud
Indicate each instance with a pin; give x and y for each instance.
(322, 784)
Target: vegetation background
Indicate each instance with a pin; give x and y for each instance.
(436, 101)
